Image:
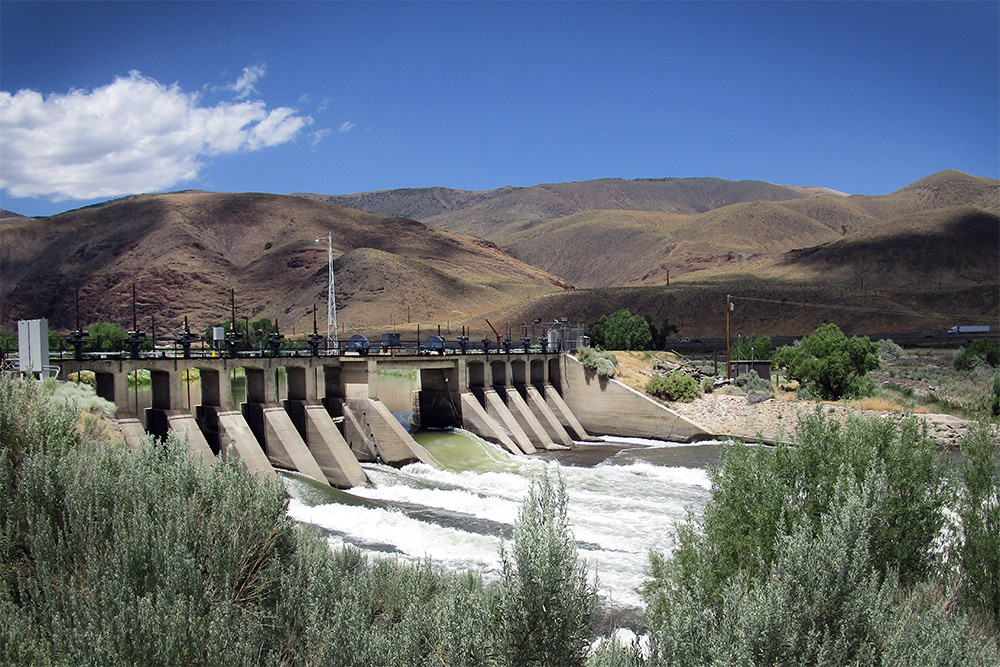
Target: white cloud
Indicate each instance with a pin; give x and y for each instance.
(133, 135)
(319, 135)
(346, 126)
(244, 85)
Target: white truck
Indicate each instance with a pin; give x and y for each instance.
(970, 328)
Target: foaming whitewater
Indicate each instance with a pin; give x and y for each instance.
(620, 509)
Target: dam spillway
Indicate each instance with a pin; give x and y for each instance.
(328, 414)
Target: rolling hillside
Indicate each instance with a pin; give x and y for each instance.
(186, 251)
(920, 259)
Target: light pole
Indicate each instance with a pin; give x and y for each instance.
(331, 299)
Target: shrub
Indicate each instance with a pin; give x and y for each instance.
(545, 602)
(833, 364)
(980, 352)
(708, 384)
(112, 557)
(888, 350)
(676, 386)
(822, 553)
(605, 364)
(752, 383)
(979, 508)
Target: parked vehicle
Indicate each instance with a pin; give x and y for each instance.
(970, 328)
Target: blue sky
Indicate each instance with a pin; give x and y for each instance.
(102, 99)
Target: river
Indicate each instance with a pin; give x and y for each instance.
(625, 498)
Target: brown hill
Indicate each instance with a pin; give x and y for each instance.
(494, 213)
(186, 251)
(919, 259)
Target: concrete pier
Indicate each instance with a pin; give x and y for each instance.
(527, 420)
(133, 432)
(185, 423)
(547, 418)
(236, 439)
(496, 409)
(477, 421)
(285, 446)
(331, 451)
(565, 415)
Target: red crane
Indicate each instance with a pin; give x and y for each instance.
(496, 333)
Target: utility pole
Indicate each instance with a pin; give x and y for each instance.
(729, 351)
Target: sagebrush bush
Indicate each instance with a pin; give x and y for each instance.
(980, 352)
(889, 350)
(676, 386)
(113, 557)
(752, 383)
(605, 364)
(826, 553)
(546, 601)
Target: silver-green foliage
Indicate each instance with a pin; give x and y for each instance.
(546, 603)
(823, 553)
(605, 364)
(110, 557)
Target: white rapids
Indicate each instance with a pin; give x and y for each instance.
(620, 508)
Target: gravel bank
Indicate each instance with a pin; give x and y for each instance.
(772, 419)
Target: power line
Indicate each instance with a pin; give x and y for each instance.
(854, 308)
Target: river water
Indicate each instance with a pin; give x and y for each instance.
(625, 499)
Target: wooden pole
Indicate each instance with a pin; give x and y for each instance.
(729, 310)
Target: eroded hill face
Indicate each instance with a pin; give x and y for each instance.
(670, 249)
(186, 252)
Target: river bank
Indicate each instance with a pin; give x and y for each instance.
(772, 420)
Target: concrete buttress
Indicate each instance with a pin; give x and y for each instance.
(475, 419)
(496, 408)
(285, 445)
(236, 438)
(526, 418)
(546, 417)
(133, 432)
(331, 451)
(395, 446)
(564, 414)
(185, 423)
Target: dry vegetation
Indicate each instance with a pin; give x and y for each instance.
(668, 249)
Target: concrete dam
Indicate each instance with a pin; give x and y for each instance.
(330, 416)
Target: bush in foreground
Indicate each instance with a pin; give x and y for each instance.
(110, 557)
(829, 553)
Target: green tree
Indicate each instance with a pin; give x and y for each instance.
(752, 347)
(980, 352)
(8, 341)
(661, 335)
(830, 363)
(105, 335)
(621, 330)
